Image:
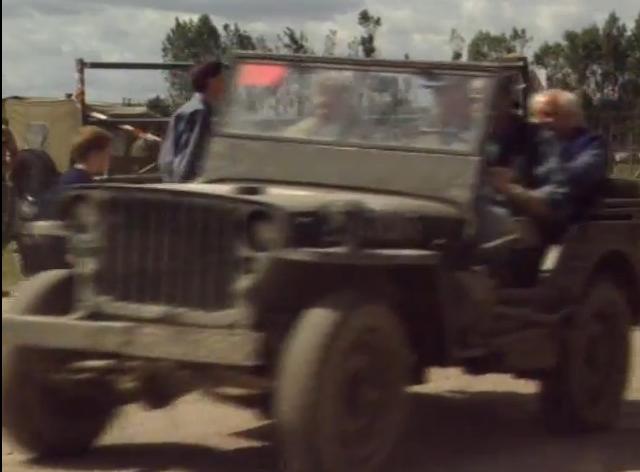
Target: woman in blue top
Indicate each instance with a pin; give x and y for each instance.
(90, 156)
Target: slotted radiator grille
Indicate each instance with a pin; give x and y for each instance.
(168, 250)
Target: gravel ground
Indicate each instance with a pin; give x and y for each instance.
(460, 424)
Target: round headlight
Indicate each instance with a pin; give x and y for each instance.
(265, 232)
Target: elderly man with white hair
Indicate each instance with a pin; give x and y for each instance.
(553, 186)
(569, 166)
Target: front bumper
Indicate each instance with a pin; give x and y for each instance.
(231, 346)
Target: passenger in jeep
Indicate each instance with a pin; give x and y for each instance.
(333, 114)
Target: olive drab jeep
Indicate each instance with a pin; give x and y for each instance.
(324, 257)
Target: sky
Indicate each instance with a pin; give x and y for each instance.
(41, 38)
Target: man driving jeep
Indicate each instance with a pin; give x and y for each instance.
(567, 170)
(552, 187)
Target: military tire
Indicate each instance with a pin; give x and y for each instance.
(43, 416)
(340, 401)
(586, 390)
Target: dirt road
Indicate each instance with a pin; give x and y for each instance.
(461, 424)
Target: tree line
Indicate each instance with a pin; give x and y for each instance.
(195, 40)
(601, 62)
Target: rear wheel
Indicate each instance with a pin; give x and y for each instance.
(42, 413)
(586, 390)
(340, 400)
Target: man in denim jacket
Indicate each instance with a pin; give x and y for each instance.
(187, 137)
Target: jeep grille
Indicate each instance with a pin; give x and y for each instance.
(168, 250)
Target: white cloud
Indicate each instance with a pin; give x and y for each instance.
(41, 38)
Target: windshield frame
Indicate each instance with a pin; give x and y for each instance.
(470, 70)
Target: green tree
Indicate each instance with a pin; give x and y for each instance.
(236, 39)
(520, 40)
(192, 40)
(487, 46)
(370, 25)
(330, 43)
(631, 87)
(596, 60)
(262, 44)
(457, 43)
(551, 57)
(353, 47)
(633, 46)
(189, 41)
(295, 42)
(160, 106)
(198, 40)
(601, 63)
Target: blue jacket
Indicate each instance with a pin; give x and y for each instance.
(569, 173)
(75, 176)
(184, 147)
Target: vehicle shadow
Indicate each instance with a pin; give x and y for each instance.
(168, 457)
(456, 432)
(491, 431)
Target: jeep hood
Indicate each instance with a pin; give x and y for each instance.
(302, 198)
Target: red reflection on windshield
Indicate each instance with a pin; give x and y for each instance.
(261, 75)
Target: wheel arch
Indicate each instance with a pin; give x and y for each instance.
(406, 290)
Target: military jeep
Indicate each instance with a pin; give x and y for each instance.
(324, 259)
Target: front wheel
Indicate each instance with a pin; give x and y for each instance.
(340, 393)
(44, 417)
(586, 390)
(42, 411)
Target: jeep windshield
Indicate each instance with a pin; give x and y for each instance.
(399, 127)
(349, 105)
